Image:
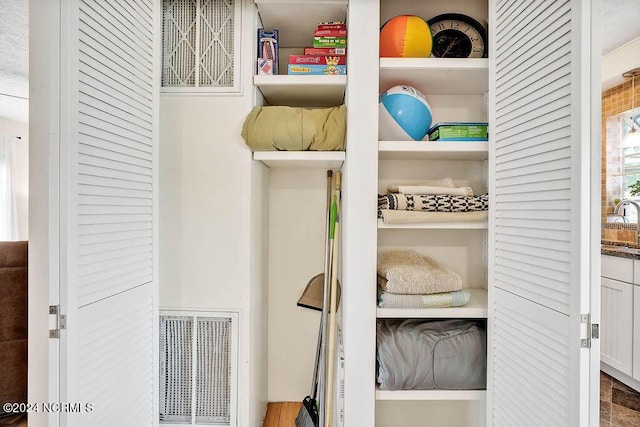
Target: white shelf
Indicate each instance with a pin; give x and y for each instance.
(480, 225)
(430, 394)
(301, 159)
(302, 91)
(429, 150)
(297, 19)
(476, 308)
(436, 76)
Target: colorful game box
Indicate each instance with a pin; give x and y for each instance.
(318, 59)
(330, 33)
(458, 131)
(329, 42)
(267, 51)
(317, 69)
(325, 51)
(332, 26)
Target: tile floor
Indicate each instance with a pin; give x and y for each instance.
(619, 404)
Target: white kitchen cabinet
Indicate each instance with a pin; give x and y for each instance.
(616, 328)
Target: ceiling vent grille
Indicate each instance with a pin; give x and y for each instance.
(198, 368)
(199, 42)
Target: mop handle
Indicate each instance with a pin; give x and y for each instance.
(334, 302)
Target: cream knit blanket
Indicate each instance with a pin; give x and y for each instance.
(409, 273)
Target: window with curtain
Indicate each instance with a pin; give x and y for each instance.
(8, 204)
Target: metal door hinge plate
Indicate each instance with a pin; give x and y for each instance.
(60, 321)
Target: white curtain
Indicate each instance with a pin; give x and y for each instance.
(8, 205)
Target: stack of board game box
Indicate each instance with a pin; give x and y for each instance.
(327, 56)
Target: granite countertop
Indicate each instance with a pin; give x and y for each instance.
(620, 249)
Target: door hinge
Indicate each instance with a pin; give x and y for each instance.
(60, 321)
(588, 331)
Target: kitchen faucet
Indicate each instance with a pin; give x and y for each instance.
(619, 210)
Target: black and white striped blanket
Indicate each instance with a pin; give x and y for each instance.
(432, 202)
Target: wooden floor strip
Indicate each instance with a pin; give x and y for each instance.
(281, 414)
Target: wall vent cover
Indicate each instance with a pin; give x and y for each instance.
(199, 41)
(198, 368)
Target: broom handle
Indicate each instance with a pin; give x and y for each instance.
(334, 308)
(316, 366)
(325, 304)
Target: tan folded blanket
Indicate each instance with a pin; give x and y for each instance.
(295, 129)
(392, 216)
(409, 273)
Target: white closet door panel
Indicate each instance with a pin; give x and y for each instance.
(531, 363)
(115, 364)
(109, 266)
(538, 222)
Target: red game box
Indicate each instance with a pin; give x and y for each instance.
(325, 51)
(330, 33)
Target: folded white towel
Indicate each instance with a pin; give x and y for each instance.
(431, 189)
(392, 216)
(409, 273)
(439, 300)
(444, 182)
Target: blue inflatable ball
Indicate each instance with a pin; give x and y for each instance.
(404, 115)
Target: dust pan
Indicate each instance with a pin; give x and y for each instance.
(312, 296)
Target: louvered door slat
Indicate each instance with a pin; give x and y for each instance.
(100, 145)
(96, 71)
(107, 173)
(115, 90)
(116, 108)
(99, 122)
(122, 23)
(111, 163)
(91, 133)
(106, 256)
(535, 221)
(109, 39)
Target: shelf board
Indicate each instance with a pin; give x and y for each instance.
(480, 225)
(430, 150)
(302, 91)
(430, 394)
(301, 159)
(297, 19)
(476, 308)
(436, 76)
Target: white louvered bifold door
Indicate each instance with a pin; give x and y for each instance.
(108, 215)
(541, 236)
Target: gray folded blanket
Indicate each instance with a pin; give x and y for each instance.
(409, 273)
(415, 354)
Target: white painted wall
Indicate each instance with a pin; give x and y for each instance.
(297, 206)
(615, 63)
(13, 128)
(208, 224)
